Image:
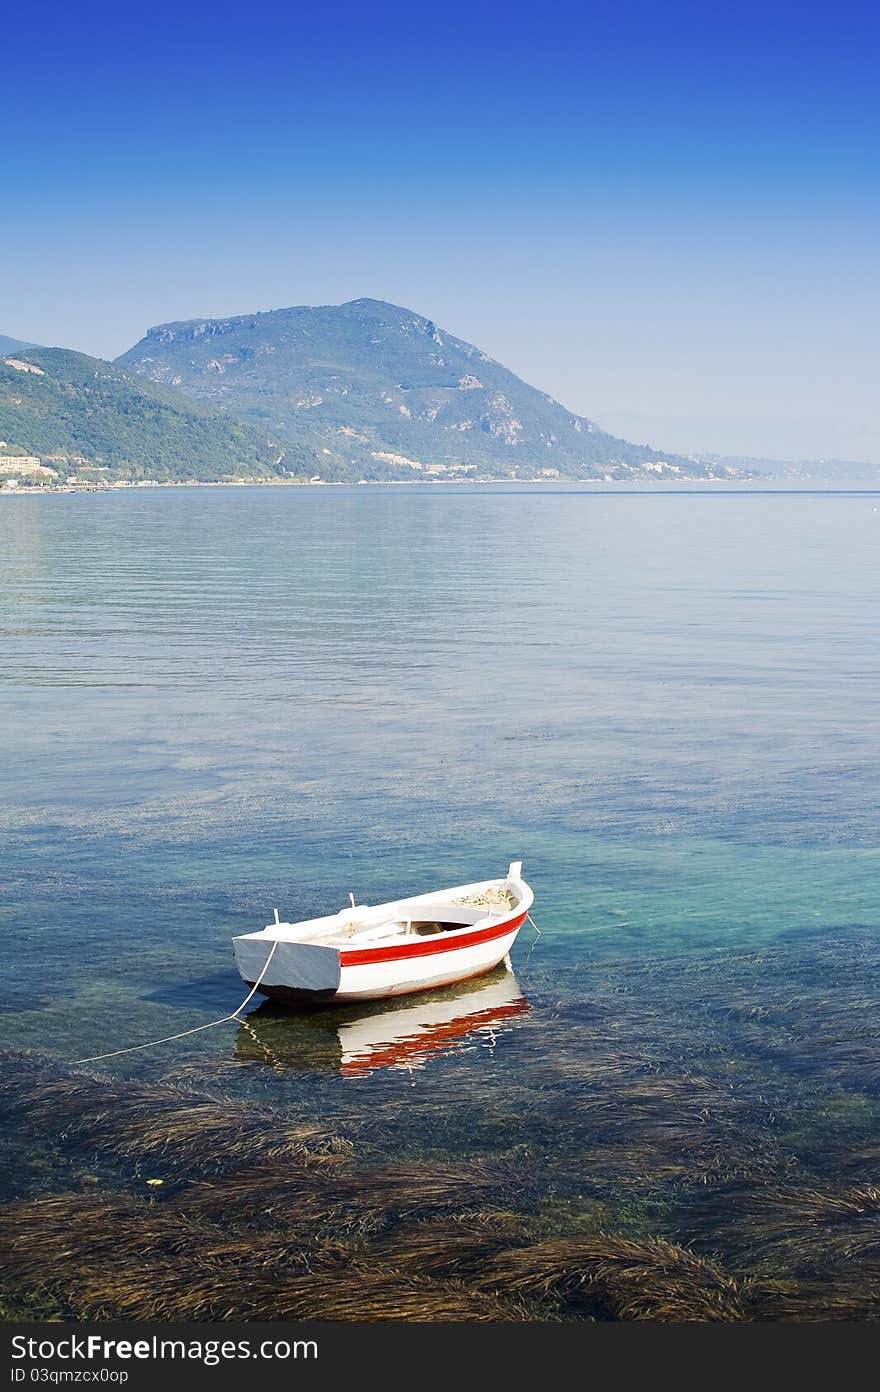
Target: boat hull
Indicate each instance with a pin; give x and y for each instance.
(297, 977)
(401, 970)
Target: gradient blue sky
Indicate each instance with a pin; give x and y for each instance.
(665, 215)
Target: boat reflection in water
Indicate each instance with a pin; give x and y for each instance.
(405, 1032)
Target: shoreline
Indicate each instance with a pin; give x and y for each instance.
(129, 486)
(557, 486)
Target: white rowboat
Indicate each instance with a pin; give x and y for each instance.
(367, 952)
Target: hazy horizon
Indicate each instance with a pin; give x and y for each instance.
(664, 219)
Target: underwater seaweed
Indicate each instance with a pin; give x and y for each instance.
(150, 1121)
(451, 1246)
(805, 1231)
(114, 1257)
(356, 1293)
(622, 1279)
(362, 1199)
(686, 1138)
(838, 1298)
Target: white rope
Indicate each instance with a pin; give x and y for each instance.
(532, 943)
(133, 1048)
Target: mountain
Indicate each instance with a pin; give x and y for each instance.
(77, 412)
(837, 471)
(10, 345)
(376, 391)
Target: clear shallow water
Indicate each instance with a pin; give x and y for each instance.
(221, 700)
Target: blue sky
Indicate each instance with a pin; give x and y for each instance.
(665, 215)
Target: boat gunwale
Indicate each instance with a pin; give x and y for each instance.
(327, 931)
(400, 948)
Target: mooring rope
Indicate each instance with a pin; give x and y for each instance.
(532, 944)
(133, 1048)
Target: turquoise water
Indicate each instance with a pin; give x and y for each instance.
(219, 701)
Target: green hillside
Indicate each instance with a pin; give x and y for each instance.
(82, 412)
(367, 386)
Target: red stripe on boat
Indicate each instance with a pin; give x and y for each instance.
(429, 946)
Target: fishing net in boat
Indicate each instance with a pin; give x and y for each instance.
(498, 897)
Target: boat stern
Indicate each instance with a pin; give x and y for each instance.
(297, 970)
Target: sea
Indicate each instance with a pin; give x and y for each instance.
(222, 701)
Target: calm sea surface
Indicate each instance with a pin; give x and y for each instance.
(220, 701)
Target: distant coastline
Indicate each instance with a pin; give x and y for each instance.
(634, 487)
